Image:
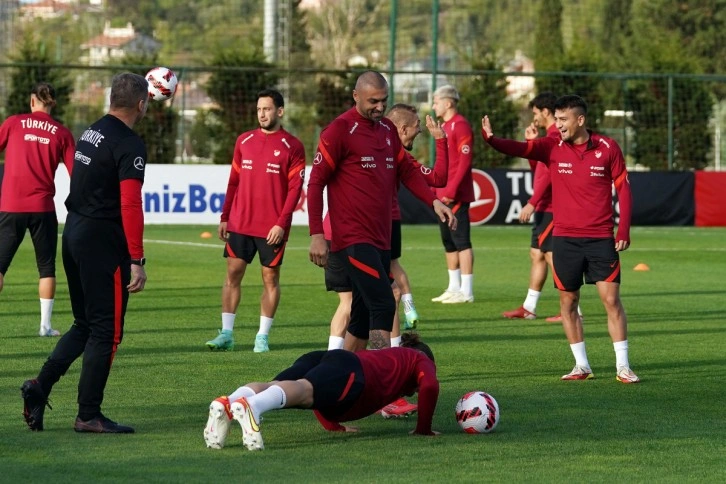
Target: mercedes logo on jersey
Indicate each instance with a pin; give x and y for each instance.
(139, 163)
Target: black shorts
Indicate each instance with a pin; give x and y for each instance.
(43, 228)
(336, 275)
(373, 305)
(396, 240)
(459, 239)
(542, 231)
(336, 376)
(245, 247)
(573, 257)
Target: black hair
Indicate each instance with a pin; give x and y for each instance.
(412, 340)
(544, 100)
(277, 98)
(571, 101)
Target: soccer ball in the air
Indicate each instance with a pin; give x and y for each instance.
(477, 413)
(162, 83)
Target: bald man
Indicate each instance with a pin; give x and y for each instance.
(360, 159)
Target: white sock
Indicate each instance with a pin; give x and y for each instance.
(239, 393)
(335, 343)
(467, 282)
(271, 399)
(407, 300)
(228, 321)
(621, 354)
(579, 310)
(454, 280)
(578, 351)
(395, 342)
(46, 311)
(530, 303)
(265, 325)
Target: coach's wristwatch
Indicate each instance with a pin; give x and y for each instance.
(139, 262)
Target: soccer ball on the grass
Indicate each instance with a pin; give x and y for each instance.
(162, 83)
(477, 413)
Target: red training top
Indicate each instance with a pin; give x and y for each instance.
(391, 373)
(435, 178)
(360, 161)
(582, 180)
(265, 182)
(542, 189)
(460, 185)
(35, 144)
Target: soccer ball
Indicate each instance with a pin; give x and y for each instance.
(162, 83)
(477, 413)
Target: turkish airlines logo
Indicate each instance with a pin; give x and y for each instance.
(486, 198)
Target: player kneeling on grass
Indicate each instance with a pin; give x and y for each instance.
(338, 385)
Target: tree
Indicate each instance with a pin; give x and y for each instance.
(35, 66)
(486, 93)
(237, 77)
(549, 48)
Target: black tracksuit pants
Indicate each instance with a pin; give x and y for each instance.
(97, 264)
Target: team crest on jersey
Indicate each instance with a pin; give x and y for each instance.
(465, 149)
(139, 163)
(277, 152)
(598, 154)
(318, 158)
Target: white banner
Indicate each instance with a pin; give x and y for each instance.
(180, 194)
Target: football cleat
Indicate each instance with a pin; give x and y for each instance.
(34, 403)
(223, 342)
(101, 425)
(399, 409)
(458, 298)
(251, 436)
(519, 313)
(220, 416)
(444, 296)
(554, 319)
(579, 373)
(261, 345)
(411, 316)
(48, 332)
(626, 375)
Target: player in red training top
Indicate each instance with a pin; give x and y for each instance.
(34, 143)
(583, 166)
(360, 159)
(103, 256)
(340, 386)
(540, 204)
(457, 194)
(264, 187)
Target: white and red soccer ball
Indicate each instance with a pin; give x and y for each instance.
(162, 83)
(477, 413)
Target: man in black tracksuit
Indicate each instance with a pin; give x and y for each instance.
(102, 255)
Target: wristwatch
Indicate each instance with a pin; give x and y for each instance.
(139, 262)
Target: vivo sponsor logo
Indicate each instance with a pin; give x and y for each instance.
(368, 165)
(246, 165)
(564, 172)
(195, 199)
(564, 165)
(82, 158)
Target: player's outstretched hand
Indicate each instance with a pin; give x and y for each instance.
(318, 250)
(445, 214)
(434, 128)
(486, 128)
(138, 279)
(531, 132)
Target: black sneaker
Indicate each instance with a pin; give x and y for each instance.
(34, 403)
(101, 425)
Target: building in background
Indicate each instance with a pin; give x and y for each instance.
(115, 43)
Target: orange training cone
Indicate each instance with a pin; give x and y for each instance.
(641, 267)
(206, 235)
